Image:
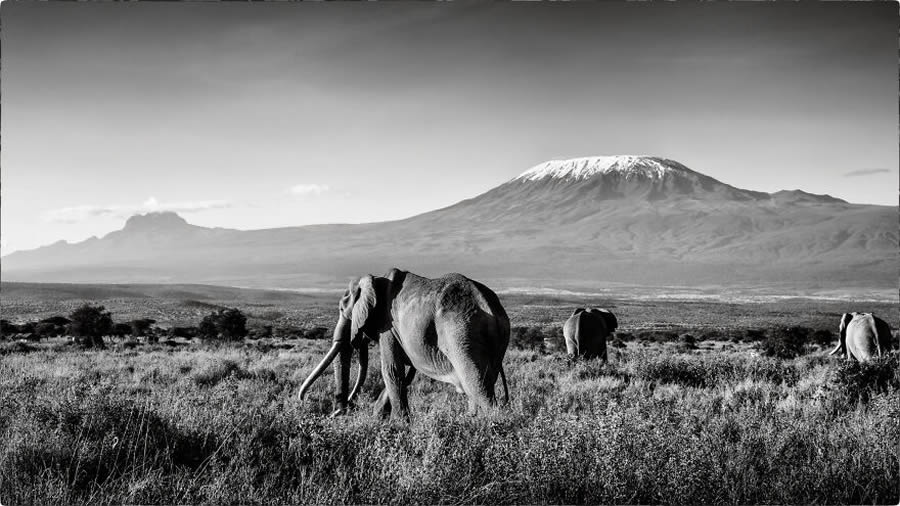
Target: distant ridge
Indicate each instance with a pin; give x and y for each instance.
(562, 223)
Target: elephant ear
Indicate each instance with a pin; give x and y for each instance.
(577, 310)
(611, 322)
(369, 313)
(351, 294)
(845, 320)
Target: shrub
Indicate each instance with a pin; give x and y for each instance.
(229, 324)
(823, 337)
(785, 342)
(185, 332)
(526, 338)
(658, 336)
(858, 380)
(315, 333)
(141, 327)
(121, 329)
(90, 324)
(751, 335)
(688, 340)
(260, 332)
(624, 336)
(8, 329)
(60, 321)
(217, 371)
(687, 372)
(45, 330)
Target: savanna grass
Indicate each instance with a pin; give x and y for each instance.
(222, 425)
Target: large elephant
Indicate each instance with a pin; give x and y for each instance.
(863, 336)
(452, 329)
(586, 332)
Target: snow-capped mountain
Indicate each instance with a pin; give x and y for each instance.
(584, 168)
(584, 221)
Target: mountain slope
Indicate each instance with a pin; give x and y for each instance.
(572, 222)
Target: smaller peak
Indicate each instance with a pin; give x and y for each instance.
(802, 196)
(586, 167)
(156, 219)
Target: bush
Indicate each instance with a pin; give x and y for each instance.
(90, 324)
(141, 327)
(658, 336)
(785, 342)
(260, 332)
(60, 321)
(858, 380)
(537, 338)
(8, 329)
(686, 372)
(751, 335)
(45, 330)
(229, 324)
(823, 337)
(315, 333)
(121, 329)
(217, 371)
(185, 332)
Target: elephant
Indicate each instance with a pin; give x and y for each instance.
(863, 336)
(451, 329)
(586, 332)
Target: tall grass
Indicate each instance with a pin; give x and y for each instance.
(224, 426)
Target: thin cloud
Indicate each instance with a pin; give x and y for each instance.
(308, 189)
(77, 214)
(865, 172)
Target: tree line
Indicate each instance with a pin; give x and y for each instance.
(89, 324)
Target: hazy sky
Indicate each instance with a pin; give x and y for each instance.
(257, 115)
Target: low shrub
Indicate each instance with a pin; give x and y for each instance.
(823, 337)
(216, 372)
(668, 369)
(859, 380)
(785, 342)
(228, 324)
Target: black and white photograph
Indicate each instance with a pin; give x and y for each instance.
(295, 252)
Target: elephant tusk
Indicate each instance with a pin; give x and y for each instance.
(329, 357)
(363, 370)
(835, 350)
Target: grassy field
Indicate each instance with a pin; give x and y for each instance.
(660, 423)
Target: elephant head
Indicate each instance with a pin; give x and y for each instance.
(363, 313)
(608, 318)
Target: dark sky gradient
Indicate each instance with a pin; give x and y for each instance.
(218, 110)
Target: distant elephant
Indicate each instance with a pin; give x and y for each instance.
(586, 332)
(863, 336)
(451, 329)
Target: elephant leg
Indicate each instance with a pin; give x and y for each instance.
(393, 370)
(478, 385)
(383, 403)
(603, 353)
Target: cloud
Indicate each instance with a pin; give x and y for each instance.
(77, 214)
(308, 189)
(865, 172)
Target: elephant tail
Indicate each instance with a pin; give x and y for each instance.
(505, 389)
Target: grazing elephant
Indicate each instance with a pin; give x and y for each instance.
(451, 329)
(586, 332)
(863, 336)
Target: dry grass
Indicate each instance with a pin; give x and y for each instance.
(222, 425)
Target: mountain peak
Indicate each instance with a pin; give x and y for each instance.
(587, 167)
(163, 220)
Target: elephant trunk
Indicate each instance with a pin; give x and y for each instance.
(363, 370)
(340, 346)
